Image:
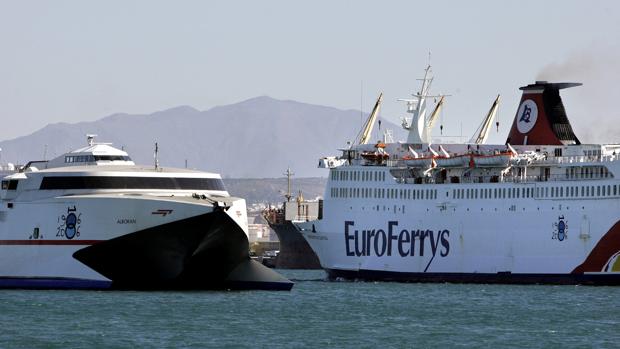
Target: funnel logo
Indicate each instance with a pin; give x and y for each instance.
(527, 116)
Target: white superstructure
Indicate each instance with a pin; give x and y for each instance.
(91, 218)
(542, 208)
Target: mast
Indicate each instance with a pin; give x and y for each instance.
(156, 156)
(417, 107)
(486, 124)
(288, 174)
(370, 122)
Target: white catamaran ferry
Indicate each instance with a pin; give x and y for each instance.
(542, 208)
(91, 218)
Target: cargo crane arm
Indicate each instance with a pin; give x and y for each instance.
(433, 118)
(484, 128)
(367, 130)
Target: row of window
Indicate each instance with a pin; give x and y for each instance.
(384, 193)
(592, 152)
(107, 182)
(480, 193)
(539, 192)
(9, 184)
(360, 176)
(494, 193)
(93, 158)
(587, 172)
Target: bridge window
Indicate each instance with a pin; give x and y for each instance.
(10, 184)
(108, 182)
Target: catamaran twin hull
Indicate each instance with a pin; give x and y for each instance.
(522, 241)
(129, 242)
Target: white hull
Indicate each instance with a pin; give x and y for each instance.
(472, 240)
(49, 253)
(91, 219)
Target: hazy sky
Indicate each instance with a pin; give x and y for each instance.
(70, 61)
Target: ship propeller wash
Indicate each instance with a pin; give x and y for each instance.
(541, 208)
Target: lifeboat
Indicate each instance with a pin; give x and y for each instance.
(455, 161)
(378, 155)
(375, 156)
(501, 159)
(420, 162)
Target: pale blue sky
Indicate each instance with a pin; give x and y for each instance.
(81, 60)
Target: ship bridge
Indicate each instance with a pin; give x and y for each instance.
(91, 155)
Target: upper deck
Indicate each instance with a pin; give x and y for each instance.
(458, 163)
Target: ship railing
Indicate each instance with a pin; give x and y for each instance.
(549, 160)
(500, 179)
(576, 159)
(9, 168)
(532, 178)
(396, 163)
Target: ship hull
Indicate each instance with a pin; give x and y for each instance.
(295, 253)
(522, 240)
(116, 242)
(475, 278)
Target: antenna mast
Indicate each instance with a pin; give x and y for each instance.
(156, 156)
(288, 175)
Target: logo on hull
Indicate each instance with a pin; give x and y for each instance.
(395, 241)
(69, 224)
(560, 229)
(162, 213)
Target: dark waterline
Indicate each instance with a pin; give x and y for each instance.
(316, 313)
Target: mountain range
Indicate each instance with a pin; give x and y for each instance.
(256, 138)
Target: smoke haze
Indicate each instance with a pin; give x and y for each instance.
(591, 108)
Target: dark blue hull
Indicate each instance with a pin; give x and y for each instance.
(477, 278)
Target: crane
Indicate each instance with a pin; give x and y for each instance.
(367, 130)
(484, 128)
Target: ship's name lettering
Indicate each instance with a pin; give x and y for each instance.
(395, 241)
(126, 221)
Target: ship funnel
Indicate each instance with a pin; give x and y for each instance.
(541, 118)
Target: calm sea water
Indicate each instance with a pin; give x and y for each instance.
(317, 313)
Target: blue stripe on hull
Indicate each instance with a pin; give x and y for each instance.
(478, 278)
(42, 283)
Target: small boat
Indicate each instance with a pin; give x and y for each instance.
(420, 162)
(454, 161)
(492, 160)
(375, 156)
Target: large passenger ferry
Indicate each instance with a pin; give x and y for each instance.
(91, 218)
(541, 208)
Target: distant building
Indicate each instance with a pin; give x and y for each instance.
(261, 233)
